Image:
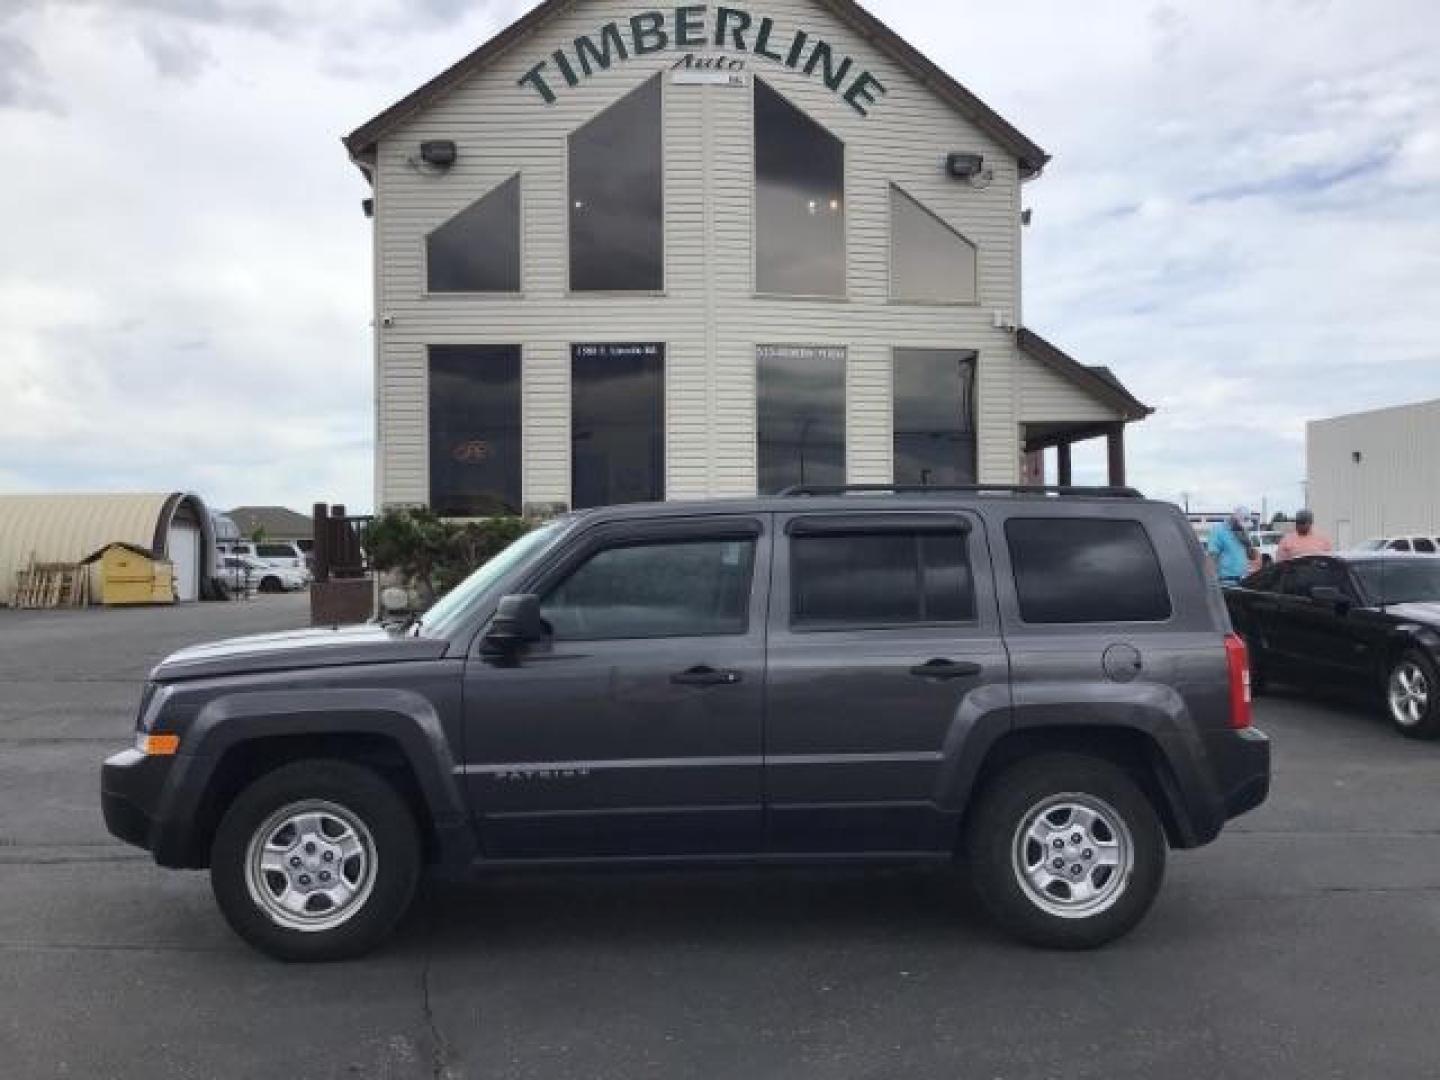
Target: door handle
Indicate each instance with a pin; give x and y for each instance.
(946, 669)
(703, 675)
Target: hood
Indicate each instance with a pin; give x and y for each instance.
(1420, 611)
(315, 647)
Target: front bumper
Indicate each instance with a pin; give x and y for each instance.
(132, 787)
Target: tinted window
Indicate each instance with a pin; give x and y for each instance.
(928, 259)
(934, 416)
(617, 424)
(1075, 570)
(1400, 581)
(1400, 545)
(478, 250)
(474, 430)
(1264, 580)
(880, 579)
(672, 589)
(1424, 546)
(275, 551)
(1307, 574)
(799, 201)
(617, 228)
(801, 414)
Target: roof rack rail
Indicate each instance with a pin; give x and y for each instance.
(801, 491)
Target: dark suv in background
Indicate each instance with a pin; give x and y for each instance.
(1039, 684)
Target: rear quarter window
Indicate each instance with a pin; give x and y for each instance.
(1084, 570)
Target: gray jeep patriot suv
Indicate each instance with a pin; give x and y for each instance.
(1040, 684)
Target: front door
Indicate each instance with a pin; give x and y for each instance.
(635, 729)
(884, 636)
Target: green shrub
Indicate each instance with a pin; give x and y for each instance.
(435, 555)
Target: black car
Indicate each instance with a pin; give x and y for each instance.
(1369, 619)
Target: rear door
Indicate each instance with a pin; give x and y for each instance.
(884, 641)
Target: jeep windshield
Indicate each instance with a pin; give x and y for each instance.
(451, 609)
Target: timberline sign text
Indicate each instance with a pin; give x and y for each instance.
(732, 30)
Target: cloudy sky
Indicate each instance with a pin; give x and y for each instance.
(1242, 219)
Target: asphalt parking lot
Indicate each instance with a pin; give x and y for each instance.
(1305, 943)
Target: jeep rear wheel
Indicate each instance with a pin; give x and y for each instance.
(317, 860)
(1065, 851)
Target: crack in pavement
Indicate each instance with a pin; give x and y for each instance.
(439, 1049)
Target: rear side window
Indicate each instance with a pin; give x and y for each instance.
(1077, 570)
(848, 580)
(1424, 545)
(275, 551)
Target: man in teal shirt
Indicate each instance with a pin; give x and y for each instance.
(1229, 547)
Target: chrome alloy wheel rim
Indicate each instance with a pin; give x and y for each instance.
(1409, 693)
(310, 866)
(1073, 855)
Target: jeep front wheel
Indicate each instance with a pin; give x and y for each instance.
(1065, 851)
(317, 860)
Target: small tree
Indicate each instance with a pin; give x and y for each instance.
(435, 555)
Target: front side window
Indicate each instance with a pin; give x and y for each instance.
(929, 261)
(1081, 570)
(478, 250)
(617, 424)
(617, 227)
(934, 416)
(880, 579)
(474, 430)
(692, 588)
(799, 201)
(801, 415)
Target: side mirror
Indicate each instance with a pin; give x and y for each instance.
(517, 622)
(1327, 594)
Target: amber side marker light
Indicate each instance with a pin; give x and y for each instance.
(157, 745)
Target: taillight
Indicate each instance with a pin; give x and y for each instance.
(1237, 658)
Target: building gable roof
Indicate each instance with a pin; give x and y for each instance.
(1099, 382)
(361, 142)
(279, 522)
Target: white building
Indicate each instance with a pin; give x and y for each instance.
(1376, 473)
(627, 253)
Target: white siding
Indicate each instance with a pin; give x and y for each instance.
(1395, 486)
(709, 317)
(1046, 397)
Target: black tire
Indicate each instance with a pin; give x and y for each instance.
(1423, 721)
(1003, 810)
(271, 585)
(393, 842)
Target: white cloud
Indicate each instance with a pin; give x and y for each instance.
(1242, 220)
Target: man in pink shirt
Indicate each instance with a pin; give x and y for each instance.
(1304, 540)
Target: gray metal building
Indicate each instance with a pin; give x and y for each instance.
(626, 253)
(1376, 473)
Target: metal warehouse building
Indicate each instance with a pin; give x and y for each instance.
(1376, 473)
(68, 528)
(626, 253)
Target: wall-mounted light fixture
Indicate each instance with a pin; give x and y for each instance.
(964, 166)
(1026, 216)
(440, 153)
(367, 207)
(1357, 457)
(436, 156)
